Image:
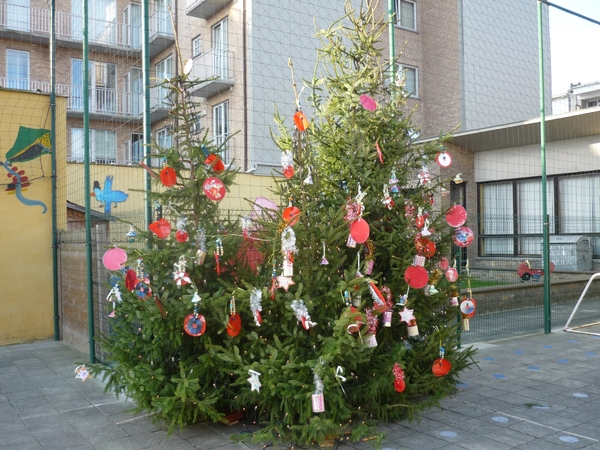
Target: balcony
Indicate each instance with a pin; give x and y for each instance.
(205, 8)
(33, 25)
(104, 104)
(214, 70)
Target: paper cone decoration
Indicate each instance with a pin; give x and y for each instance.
(161, 228)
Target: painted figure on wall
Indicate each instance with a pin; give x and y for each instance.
(30, 144)
(108, 196)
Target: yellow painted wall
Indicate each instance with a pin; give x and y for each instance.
(26, 297)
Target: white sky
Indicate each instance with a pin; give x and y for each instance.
(574, 44)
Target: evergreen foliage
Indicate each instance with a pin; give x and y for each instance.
(314, 336)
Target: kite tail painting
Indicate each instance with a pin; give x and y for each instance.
(30, 144)
(107, 196)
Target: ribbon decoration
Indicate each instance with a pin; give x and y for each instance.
(340, 378)
(302, 314)
(256, 306)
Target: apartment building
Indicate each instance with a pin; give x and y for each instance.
(456, 61)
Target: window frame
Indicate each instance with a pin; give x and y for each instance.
(108, 157)
(196, 46)
(22, 84)
(222, 112)
(403, 68)
(398, 17)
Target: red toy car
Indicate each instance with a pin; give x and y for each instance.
(527, 273)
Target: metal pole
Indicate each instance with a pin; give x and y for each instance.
(546, 239)
(391, 19)
(86, 182)
(53, 144)
(146, 117)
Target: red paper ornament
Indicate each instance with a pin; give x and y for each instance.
(451, 274)
(443, 159)
(359, 230)
(468, 306)
(168, 176)
(420, 221)
(291, 215)
(114, 258)
(429, 248)
(182, 236)
(214, 162)
(161, 228)
(441, 367)
(444, 264)
(194, 324)
(214, 189)
(368, 102)
(463, 236)
(300, 121)
(399, 384)
(288, 172)
(416, 277)
(130, 280)
(234, 325)
(456, 216)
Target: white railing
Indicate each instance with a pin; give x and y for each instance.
(70, 27)
(214, 63)
(160, 23)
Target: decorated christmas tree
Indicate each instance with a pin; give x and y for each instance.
(359, 321)
(171, 305)
(352, 316)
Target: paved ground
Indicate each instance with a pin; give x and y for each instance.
(535, 392)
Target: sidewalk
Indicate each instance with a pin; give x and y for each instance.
(536, 392)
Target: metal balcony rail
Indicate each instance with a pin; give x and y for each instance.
(214, 63)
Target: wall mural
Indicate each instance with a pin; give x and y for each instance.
(30, 144)
(107, 196)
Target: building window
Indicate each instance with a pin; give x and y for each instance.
(132, 22)
(17, 69)
(18, 15)
(164, 139)
(102, 86)
(406, 14)
(410, 79)
(591, 103)
(220, 48)
(221, 129)
(196, 47)
(103, 146)
(164, 72)
(134, 149)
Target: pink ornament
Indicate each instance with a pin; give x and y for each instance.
(368, 103)
(114, 258)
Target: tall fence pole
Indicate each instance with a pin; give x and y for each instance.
(146, 103)
(53, 156)
(545, 218)
(392, 41)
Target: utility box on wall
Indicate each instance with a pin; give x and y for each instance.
(571, 253)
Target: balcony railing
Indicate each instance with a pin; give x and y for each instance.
(215, 66)
(69, 28)
(103, 101)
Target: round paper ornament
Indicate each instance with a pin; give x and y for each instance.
(451, 274)
(161, 228)
(114, 258)
(142, 289)
(194, 324)
(399, 384)
(443, 159)
(420, 221)
(182, 236)
(463, 236)
(168, 176)
(456, 216)
(214, 162)
(234, 325)
(467, 307)
(300, 121)
(359, 230)
(214, 189)
(291, 214)
(368, 102)
(416, 277)
(441, 367)
(429, 248)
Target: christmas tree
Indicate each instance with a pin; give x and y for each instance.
(356, 325)
(171, 307)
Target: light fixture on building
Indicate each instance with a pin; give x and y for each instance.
(458, 179)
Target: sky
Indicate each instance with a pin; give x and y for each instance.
(574, 44)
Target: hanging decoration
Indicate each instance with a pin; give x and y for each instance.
(200, 246)
(308, 179)
(387, 200)
(370, 257)
(407, 316)
(256, 305)
(372, 322)
(195, 324)
(214, 189)
(288, 249)
(114, 296)
(168, 176)
(302, 314)
(359, 228)
(443, 159)
(300, 121)
(463, 236)
(318, 399)
(181, 235)
(433, 279)
(114, 258)
(274, 280)
(424, 177)
(246, 223)
(179, 273)
(340, 378)
(142, 286)
(415, 275)
(160, 227)
(368, 102)
(291, 215)
(254, 381)
(393, 185)
(378, 300)
(212, 162)
(287, 163)
(456, 216)
(441, 366)
(399, 383)
(468, 304)
(324, 261)
(218, 254)
(379, 152)
(131, 234)
(234, 325)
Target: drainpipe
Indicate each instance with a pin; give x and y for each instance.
(53, 143)
(86, 183)
(391, 19)
(546, 220)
